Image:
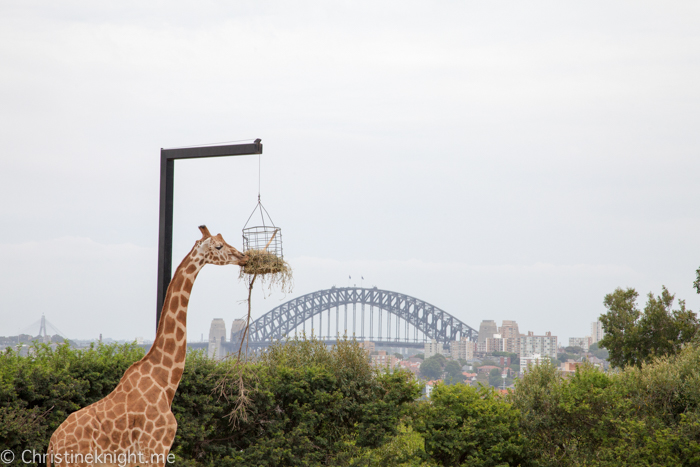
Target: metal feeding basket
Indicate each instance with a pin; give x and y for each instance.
(266, 237)
(261, 237)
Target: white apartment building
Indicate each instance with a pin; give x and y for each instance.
(432, 348)
(530, 345)
(532, 360)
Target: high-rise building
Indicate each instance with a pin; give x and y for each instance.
(494, 344)
(511, 336)
(217, 337)
(596, 331)
(509, 329)
(463, 349)
(432, 348)
(487, 329)
(545, 345)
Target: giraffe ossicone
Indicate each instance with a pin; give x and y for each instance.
(134, 425)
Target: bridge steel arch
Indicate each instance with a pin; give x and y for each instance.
(433, 322)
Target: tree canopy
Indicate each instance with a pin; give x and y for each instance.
(311, 405)
(634, 337)
(431, 368)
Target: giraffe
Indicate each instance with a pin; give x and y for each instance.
(134, 425)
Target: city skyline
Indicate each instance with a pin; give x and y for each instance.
(225, 333)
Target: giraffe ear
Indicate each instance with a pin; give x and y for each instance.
(205, 231)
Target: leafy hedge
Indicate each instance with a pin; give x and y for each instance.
(311, 405)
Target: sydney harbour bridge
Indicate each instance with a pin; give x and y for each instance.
(384, 317)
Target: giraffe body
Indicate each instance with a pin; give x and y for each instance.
(134, 425)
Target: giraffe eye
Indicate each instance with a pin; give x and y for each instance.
(219, 247)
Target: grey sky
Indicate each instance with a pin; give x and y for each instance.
(500, 160)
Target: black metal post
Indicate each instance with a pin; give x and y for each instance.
(165, 227)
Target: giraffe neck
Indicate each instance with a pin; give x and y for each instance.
(170, 346)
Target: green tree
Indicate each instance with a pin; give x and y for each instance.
(495, 378)
(431, 368)
(453, 373)
(620, 326)
(463, 425)
(440, 358)
(638, 416)
(633, 337)
(309, 405)
(567, 421)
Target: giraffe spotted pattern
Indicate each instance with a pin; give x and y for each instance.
(134, 425)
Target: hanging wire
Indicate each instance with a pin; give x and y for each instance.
(266, 236)
(262, 210)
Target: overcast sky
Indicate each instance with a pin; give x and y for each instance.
(500, 160)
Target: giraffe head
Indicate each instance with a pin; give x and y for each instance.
(215, 250)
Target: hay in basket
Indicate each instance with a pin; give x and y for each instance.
(266, 262)
(273, 270)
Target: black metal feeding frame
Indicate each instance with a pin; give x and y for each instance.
(165, 228)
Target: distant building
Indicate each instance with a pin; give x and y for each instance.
(596, 331)
(432, 348)
(463, 349)
(511, 336)
(382, 360)
(487, 368)
(508, 329)
(495, 344)
(217, 336)
(569, 367)
(530, 361)
(583, 342)
(531, 345)
(487, 329)
(368, 346)
(411, 366)
(599, 362)
(429, 385)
